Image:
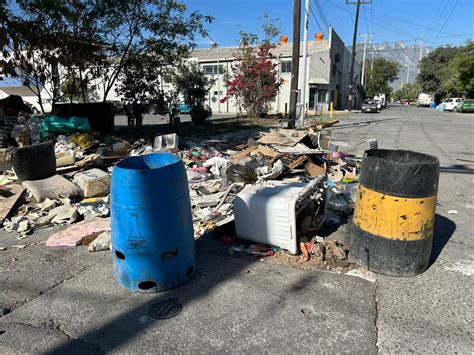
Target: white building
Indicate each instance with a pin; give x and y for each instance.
(327, 75)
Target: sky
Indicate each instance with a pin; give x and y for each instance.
(438, 22)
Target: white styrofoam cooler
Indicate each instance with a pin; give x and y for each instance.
(275, 214)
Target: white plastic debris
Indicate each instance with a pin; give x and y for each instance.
(102, 242)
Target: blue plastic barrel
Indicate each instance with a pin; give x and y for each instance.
(152, 229)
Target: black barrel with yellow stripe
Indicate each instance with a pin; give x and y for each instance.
(394, 215)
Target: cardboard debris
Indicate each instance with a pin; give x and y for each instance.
(244, 153)
(10, 194)
(266, 151)
(73, 235)
(314, 170)
(274, 139)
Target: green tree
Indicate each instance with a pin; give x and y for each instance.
(408, 91)
(191, 82)
(254, 81)
(51, 41)
(431, 67)
(457, 78)
(133, 28)
(139, 83)
(384, 72)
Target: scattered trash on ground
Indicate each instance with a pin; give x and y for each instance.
(283, 186)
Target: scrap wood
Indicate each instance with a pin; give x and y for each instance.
(7, 203)
(74, 234)
(243, 153)
(274, 139)
(293, 161)
(264, 150)
(294, 135)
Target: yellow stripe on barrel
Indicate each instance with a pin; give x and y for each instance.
(394, 217)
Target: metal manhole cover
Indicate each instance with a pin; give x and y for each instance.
(165, 309)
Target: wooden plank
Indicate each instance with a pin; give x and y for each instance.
(264, 150)
(243, 153)
(10, 194)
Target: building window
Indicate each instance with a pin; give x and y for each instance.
(286, 66)
(322, 96)
(332, 95)
(334, 69)
(212, 69)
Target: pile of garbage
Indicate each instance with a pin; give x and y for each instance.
(65, 179)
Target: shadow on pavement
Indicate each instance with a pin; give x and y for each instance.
(367, 122)
(123, 329)
(444, 229)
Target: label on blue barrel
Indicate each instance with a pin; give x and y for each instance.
(135, 239)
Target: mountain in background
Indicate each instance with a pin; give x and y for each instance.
(406, 55)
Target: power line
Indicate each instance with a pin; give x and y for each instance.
(372, 21)
(321, 12)
(437, 22)
(365, 18)
(317, 22)
(334, 17)
(410, 23)
(348, 10)
(447, 18)
(378, 24)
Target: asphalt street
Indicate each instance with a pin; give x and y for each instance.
(64, 300)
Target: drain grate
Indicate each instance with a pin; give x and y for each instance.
(165, 309)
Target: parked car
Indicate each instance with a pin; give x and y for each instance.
(369, 105)
(156, 107)
(467, 106)
(452, 104)
(184, 108)
(424, 100)
(32, 102)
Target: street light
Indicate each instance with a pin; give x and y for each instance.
(216, 46)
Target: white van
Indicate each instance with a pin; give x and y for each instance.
(424, 100)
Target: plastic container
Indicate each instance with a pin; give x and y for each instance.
(152, 230)
(278, 215)
(395, 212)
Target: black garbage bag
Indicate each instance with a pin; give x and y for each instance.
(240, 173)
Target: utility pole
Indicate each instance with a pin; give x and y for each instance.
(216, 46)
(366, 36)
(295, 62)
(421, 51)
(408, 72)
(354, 39)
(305, 61)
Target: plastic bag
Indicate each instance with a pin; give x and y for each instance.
(55, 124)
(240, 173)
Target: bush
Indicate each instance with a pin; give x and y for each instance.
(199, 114)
